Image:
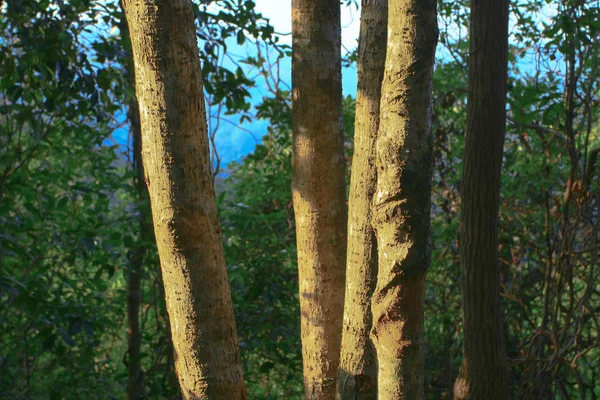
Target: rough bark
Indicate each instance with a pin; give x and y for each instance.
(483, 374)
(357, 375)
(178, 174)
(318, 187)
(401, 207)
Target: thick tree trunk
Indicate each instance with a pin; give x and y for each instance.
(318, 187)
(483, 374)
(178, 175)
(401, 207)
(357, 375)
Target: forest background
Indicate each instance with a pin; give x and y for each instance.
(77, 256)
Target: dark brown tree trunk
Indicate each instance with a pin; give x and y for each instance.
(484, 373)
(401, 204)
(319, 189)
(135, 383)
(178, 174)
(357, 375)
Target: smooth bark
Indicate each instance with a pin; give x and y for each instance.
(401, 207)
(178, 174)
(357, 375)
(318, 187)
(484, 373)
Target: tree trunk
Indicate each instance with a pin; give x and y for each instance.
(135, 384)
(401, 207)
(178, 175)
(357, 375)
(318, 187)
(484, 373)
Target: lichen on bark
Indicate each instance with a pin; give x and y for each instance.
(401, 206)
(179, 178)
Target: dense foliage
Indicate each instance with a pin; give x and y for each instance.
(70, 208)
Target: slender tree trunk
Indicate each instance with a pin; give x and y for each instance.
(484, 373)
(134, 281)
(318, 187)
(178, 175)
(135, 384)
(401, 207)
(357, 375)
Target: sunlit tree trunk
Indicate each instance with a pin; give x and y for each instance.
(401, 206)
(318, 187)
(178, 174)
(483, 374)
(357, 375)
